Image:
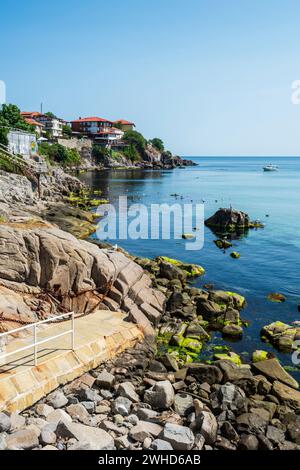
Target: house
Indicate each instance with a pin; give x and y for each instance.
(91, 126)
(125, 125)
(38, 127)
(22, 143)
(109, 137)
(52, 124)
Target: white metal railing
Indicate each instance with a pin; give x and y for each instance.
(37, 343)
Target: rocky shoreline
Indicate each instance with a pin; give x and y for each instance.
(159, 395)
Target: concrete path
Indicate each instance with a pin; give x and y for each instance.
(98, 337)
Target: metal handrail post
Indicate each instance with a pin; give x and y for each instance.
(35, 346)
(73, 331)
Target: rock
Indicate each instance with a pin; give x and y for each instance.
(57, 416)
(122, 442)
(160, 444)
(3, 445)
(205, 373)
(251, 423)
(272, 369)
(235, 255)
(97, 439)
(23, 439)
(126, 389)
(47, 437)
(228, 220)
(260, 355)
(190, 270)
(275, 435)
(229, 432)
(105, 380)
(208, 426)
(276, 297)
(223, 244)
(287, 395)
(17, 421)
(5, 422)
(89, 406)
(43, 410)
(57, 399)
(230, 356)
(234, 331)
(146, 414)
(264, 443)
(248, 442)
(183, 403)
(122, 406)
(49, 447)
(232, 372)
(78, 412)
(143, 430)
(281, 335)
(224, 444)
(180, 437)
(161, 395)
(229, 397)
(188, 236)
(169, 362)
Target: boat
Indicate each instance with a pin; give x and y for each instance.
(270, 167)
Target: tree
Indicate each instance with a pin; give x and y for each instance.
(67, 131)
(50, 115)
(60, 154)
(3, 136)
(158, 144)
(99, 152)
(10, 116)
(131, 153)
(136, 139)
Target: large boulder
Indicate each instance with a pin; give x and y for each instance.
(161, 395)
(37, 258)
(228, 219)
(272, 369)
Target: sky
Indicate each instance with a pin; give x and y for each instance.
(209, 77)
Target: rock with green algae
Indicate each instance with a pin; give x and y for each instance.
(235, 255)
(238, 299)
(192, 345)
(276, 297)
(222, 244)
(230, 356)
(191, 270)
(282, 335)
(260, 355)
(233, 331)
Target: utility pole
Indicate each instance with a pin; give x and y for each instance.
(41, 108)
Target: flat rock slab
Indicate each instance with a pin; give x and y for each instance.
(98, 439)
(287, 395)
(272, 369)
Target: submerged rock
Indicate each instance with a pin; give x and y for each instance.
(276, 297)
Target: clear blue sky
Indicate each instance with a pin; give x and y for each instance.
(210, 77)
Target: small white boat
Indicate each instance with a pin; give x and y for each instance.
(270, 167)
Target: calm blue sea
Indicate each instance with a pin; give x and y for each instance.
(270, 257)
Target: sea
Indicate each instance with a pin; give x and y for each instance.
(269, 257)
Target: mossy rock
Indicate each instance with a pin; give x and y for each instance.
(223, 244)
(191, 270)
(231, 356)
(260, 355)
(239, 300)
(192, 345)
(276, 297)
(235, 255)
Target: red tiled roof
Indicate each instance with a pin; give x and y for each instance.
(124, 122)
(33, 122)
(31, 114)
(92, 119)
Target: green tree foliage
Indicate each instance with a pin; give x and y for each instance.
(137, 140)
(67, 131)
(132, 153)
(158, 144)
(50, 115)
(3, 136)
(57, 153)
(10, 116)
(99, 152)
